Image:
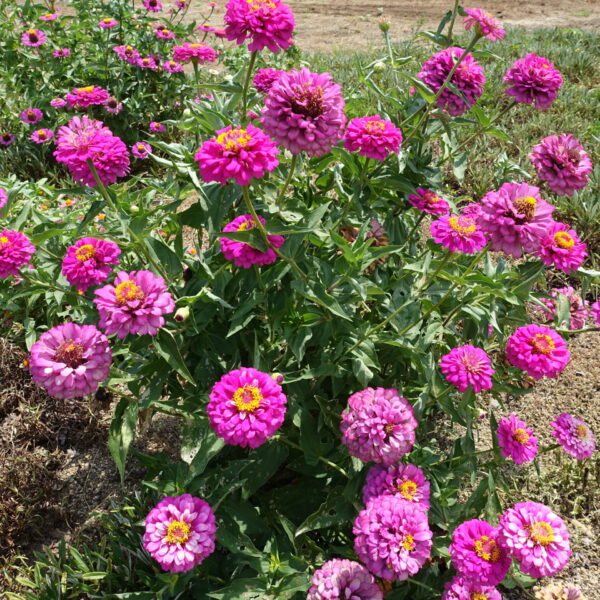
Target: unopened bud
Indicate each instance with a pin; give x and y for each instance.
(384, 25)
(134, 209)
(379, 66)
(278, 377)
(182, 314)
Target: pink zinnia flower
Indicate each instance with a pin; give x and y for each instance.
(89, 262)
(172, 66)
(562, 248)
(537, 350)
(468, 366)
(180, 532)
(266, 23)
(3, 198)
(34, 38)
(153, 5)
(61, 53)
(378, 425)
(578, 307)
(561, 161)
(141, 149)
(535, 537)
(147, 62)
(162, 33)
(246, 407)
(574, 436)
(49, 17)
(372, 137)
(595, 312)
(429, 202)
(406, 482)
(468, 79)
(156, 127)
(516, 440)
(236, 153)
(134, 303)
(87, 96)
(304, 112)
(42, 136)
(6, 139)
(533, 79)
(244, 255)
(127, 53)
(516, 218)
(459, 588)
(343, 579)
(108, 23)
(58, 102)
(82, 139)
(477, 554)
(112, 105)
(15, 252)
(70, 360)
(484, 24)
(265, 78)
(32, 116)
(392, 538)
(200, 52)
(458, 233)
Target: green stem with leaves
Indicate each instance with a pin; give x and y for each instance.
(251, 63)
(288, 180)
(321, 458)
(454, 15)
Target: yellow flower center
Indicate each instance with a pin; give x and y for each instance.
(526, 206)
(70, 353)
(541, 533)
(582, 432)
(68, 202)
(478, 596)
(521, 436)
(41, 133)
(543, 344)
(487, 548)
(408, 489)
(408, 543)
(128, 48)
(564, 240)
(462, 225)
(258, 4)
(107, 20)
(30, 113)
(431, 198)
(48, 15)
(178, 532)
(545, 66)
(249, 224)
(85, 90)
(84, 252)
(43, 207)
(25, 363)
(127, 291)
(101, 216)
(141, 147)
(234, 139)
(32, 32)
(375, 126)
(194, 46)
(4, 240)
(389, 428)
(247, 398)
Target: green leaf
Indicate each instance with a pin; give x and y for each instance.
(168, 348)
(336, 509)
(199, 444)
(243, 589)
(424, 91)
(165, 256)
(122, 432)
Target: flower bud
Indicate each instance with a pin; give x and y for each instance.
(384, 25)
(278, 377)
(182, 314)
(379, 66)
(134, 209)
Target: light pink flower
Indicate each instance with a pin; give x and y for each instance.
(574, 435)
(41, 136)
(484, 24)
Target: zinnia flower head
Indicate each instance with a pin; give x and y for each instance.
(6, 139)
(535, 537)
(266, 23)
(147, 62)
(340, 578)
(516, 440)
(236, 153)
(577, 307)
(392, 538)
(89, 262)
(562, 248)
(484, 25)
(172, 66)
(304, 112)
(246, 407)
(244, 255)
(15, 252)
(141, 149)
(34, 38)
(516, 218)
(156, 127)
(108, 23)
(533, 79)
(112, 105)
(40, 136)
(49, 17)
(458, 233)
(460, 588)
(180, 532)
(537, 350)
(561, 161)
(153, 5)
(372, 137)
(32, 116)
(3, 198)
(70, 360)
(84, 138)
(61, 53)
(468, 366)
(574, 436)
(468, 79)
(429, 202)
(134, 303)
(162, 33)
(127, 53)
(559, 591)
(58, 102)
(265, 78)
(378, 425)
(197, 51)
(87, 96)
(595, 312)
(406, 482)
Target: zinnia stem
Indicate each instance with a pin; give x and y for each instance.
(454, 15)
(253, 56)
(288, 180)
(321, 458)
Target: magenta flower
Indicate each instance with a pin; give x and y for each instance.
(6, 139)
(32, 116)
(162, 33)
(304, 112)
(578, 307)
(70, 360)
(127, 53)
(533, 79)
(108, 23)
(58, 102)
(372, 137)
(40, 136)
(516, 440)
(147, 62)
(180, 532)
(392, 538)
(246, 407)
(595, 312)
(112, 105)
(537, 350)
(516, 218)
(574, 436)
(61, 53)
(236, 153)
(244, 255)
(134, 303)
(87, 96)
(561, 161)
(472, 210)
(378, 425)
(265, 78)
(535, 537)
(33, 38)
(458, 233)
(562, 248)
(156, 127)
(141, 149)
(343, 579)
(89, 262)
(468, 79)
(15, 252)
(406, 482)
(468, 366)
(153, 5)
(484, 24)
(3, 198)
(172, 66)
(429, 202)
(477, 554)
(83, 139)
(459, 588)
(49, 17)
(200, 52)
(266, 23)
